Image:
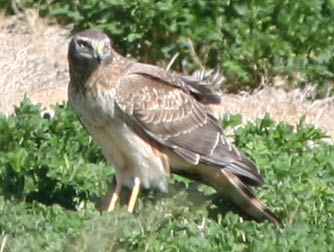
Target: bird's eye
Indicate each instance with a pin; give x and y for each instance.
(83, 44)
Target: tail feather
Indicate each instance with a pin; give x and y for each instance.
(233, 188)
(239, 193)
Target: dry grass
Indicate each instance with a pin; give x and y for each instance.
(33, 62)
(282, 106)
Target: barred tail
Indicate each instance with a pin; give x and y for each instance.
(238, 192)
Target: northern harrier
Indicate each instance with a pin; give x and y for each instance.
(150, 122)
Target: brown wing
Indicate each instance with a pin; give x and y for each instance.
(198, 89)
(164, 108)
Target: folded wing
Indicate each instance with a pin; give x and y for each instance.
(173, 111)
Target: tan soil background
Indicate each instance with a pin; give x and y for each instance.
(33, 63)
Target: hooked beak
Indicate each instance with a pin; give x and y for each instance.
(99, 55)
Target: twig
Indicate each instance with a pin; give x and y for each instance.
(15, 9)
(194, 54)
(3, 243)
(171, 62)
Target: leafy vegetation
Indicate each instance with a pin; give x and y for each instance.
(53, 179)
(250, 41)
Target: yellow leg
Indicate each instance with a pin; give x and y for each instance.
(134, 195)
(114, 198)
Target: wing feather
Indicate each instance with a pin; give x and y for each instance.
(163, 108)
(200, 90)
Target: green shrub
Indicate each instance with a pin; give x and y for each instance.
(50, 167)
(45, 159)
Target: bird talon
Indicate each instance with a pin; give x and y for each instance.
(114, 198)
(134, 195)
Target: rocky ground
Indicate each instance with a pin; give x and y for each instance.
(33, 63)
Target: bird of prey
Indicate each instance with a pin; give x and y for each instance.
(150, 122)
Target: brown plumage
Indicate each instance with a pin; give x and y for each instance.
(150, 122)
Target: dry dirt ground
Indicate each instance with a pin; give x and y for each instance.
(33, 63)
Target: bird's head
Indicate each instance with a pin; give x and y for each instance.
(89, 49)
